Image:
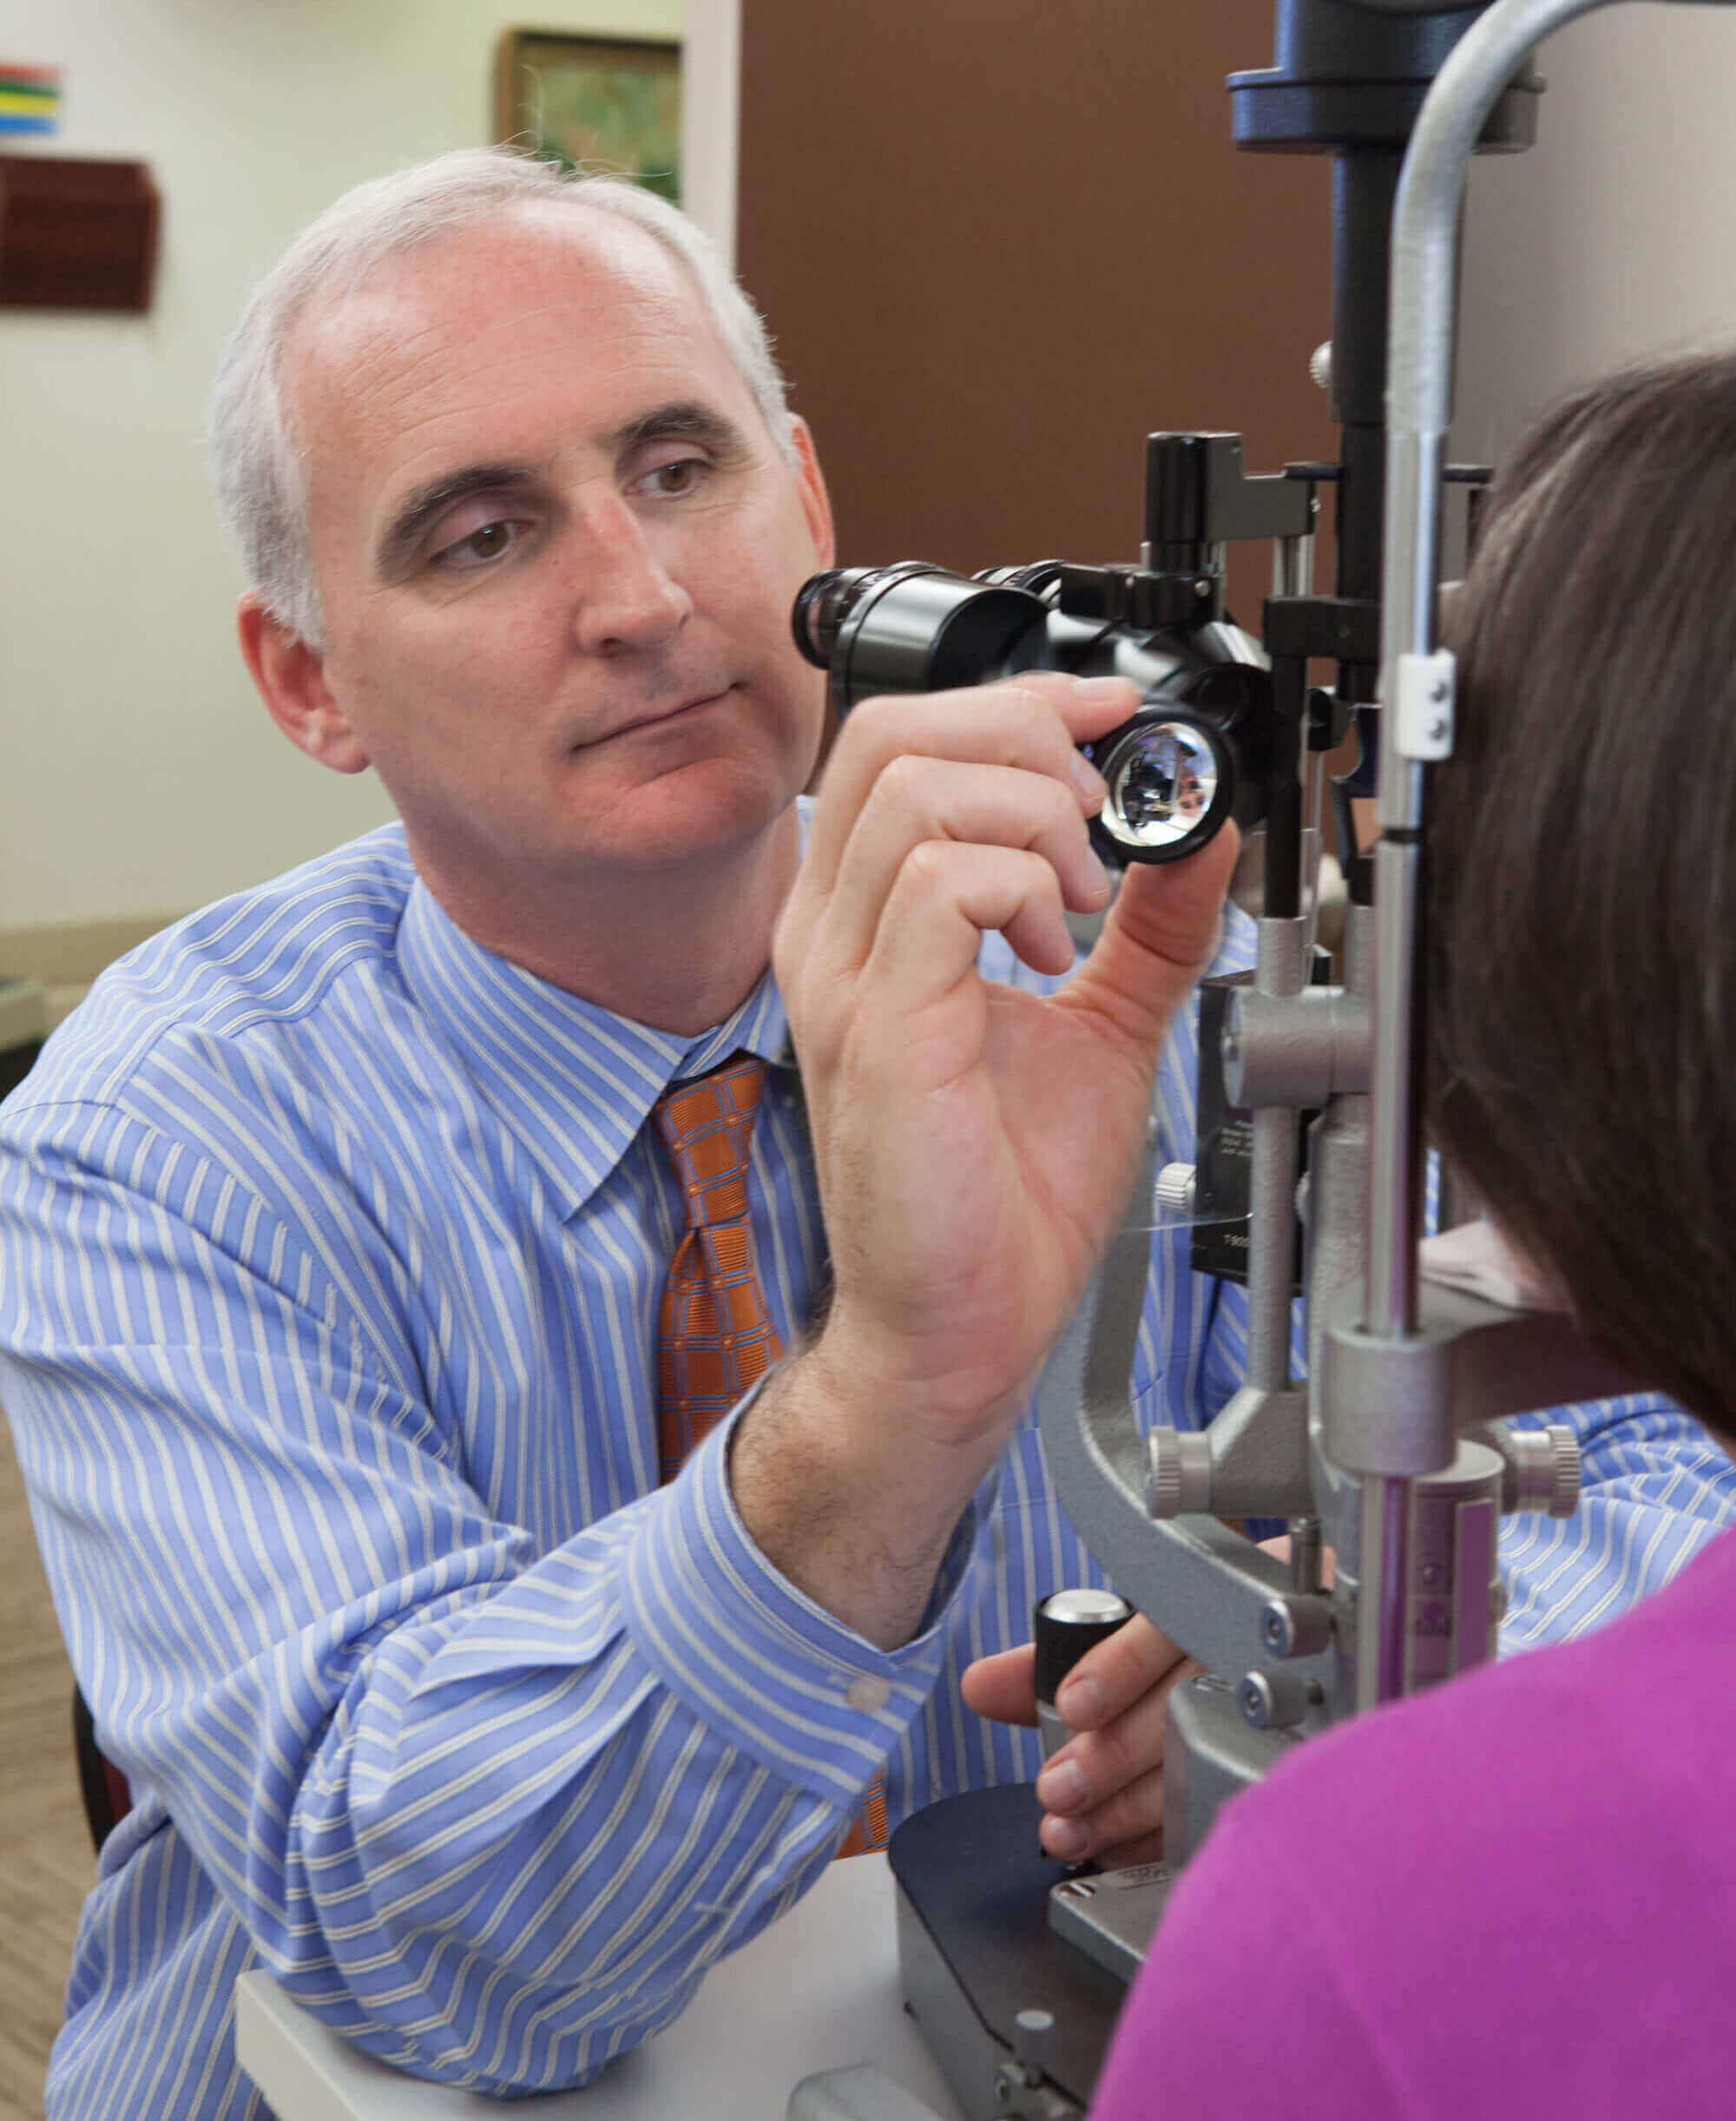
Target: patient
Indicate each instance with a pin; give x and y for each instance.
(1516, 1895)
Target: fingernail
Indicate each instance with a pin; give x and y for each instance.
(1092, 786)
(1066, 1838)
(1093, 689)
(1061, 1787)
(1080, 1702)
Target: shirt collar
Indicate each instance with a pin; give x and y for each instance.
(573, 1081)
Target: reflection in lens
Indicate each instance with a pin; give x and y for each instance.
(1162, 780)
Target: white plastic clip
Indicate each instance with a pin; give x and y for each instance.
(1423, 727)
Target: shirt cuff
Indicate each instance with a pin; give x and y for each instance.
(755, 1659)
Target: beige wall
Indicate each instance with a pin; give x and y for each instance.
(1614, 237)
(140, 773)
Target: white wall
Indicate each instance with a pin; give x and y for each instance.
(138, 773)
(711, 115)
(1615, 236)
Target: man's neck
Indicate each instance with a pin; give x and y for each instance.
(676, 949)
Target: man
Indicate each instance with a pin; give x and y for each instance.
(339, 1221)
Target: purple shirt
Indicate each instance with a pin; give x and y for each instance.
(1515, 1895)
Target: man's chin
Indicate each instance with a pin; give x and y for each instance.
(707, 810)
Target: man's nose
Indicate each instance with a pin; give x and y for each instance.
(627, 600)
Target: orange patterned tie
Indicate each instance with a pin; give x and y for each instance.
(714, 1334)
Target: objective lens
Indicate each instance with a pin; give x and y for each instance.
(1166, 777)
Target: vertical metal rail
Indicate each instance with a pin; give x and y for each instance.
(1418, 406)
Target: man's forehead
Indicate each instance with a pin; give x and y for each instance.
(491, 276)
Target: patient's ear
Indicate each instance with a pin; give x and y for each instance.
(291, 677)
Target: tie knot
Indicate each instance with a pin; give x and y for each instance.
(706, 1126)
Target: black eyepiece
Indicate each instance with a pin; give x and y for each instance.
(819, 608)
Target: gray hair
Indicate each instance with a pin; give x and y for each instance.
(255, 453)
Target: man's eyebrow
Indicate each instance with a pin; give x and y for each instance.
(681, 419)
(423, 504)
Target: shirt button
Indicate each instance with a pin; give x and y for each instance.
(868, 1694)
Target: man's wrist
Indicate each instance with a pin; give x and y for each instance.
(763, 1666)
(843, 1500)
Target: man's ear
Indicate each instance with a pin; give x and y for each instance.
(291, 677)
(816, 503)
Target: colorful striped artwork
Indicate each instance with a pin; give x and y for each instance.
(30, 98)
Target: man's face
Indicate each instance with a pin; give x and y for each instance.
(556, 549)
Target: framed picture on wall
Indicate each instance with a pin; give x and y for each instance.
(593, 102)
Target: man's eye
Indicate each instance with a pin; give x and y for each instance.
(479, 548)
(684, 475)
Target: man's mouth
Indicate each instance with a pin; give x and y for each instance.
(661, 717)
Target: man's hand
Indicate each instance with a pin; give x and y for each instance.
(973, 1144)
(1102, 1793)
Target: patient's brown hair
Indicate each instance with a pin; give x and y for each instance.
(1582, 848)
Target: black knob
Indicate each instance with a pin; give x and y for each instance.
(1067, 1623)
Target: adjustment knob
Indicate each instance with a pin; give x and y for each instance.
(1178, 1482)
(1175, 1189)
(1033, 2044)
(1065, 1626)
(1541, 1471)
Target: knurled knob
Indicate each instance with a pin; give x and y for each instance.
(1178, 1482)
(1175, 1189)
(1544, 1471)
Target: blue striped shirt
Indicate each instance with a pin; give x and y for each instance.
(333, 1248)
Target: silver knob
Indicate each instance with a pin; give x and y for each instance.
(1033, 2043)
(1541, 1471)
(1178, 1483)
(1175, 1188)
(1320, 365)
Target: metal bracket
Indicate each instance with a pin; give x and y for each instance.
(1391, 1406)
(1423, 720)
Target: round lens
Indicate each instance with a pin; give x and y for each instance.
(1163, 781)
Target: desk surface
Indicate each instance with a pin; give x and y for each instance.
(816, 1990)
